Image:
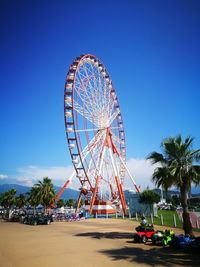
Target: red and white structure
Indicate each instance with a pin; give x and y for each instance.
(95, 135)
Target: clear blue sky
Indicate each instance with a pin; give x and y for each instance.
(150, 48)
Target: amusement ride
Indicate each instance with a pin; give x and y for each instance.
(95, 136)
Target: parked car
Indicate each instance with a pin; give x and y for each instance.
(37, 219)
(15, 216)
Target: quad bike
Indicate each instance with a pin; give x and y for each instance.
(143, 233)
(182, 241)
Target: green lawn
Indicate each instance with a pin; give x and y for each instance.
(168, 218)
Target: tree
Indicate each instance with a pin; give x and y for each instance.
(175, 200)
(20, 201)
(34, 198)
(177, 167)
(60, 203)
(8, 198)
(71, 202)
(46, 192)
(149, 197)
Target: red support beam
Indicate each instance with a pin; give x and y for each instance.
(121, 195)
(79, 201)
(94, 194)
(60, 193)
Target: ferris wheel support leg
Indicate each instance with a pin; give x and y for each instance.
(79, 202)
(121, 195)
(112, 193)
(137, 189)
(62, 189)
(97, 179)
(119, 186)
(94, 194)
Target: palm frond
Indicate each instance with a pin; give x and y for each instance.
(155, 157)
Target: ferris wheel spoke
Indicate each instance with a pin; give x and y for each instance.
(87, 110)
(97, 109)
(83, 86)
(88, 77)
(85, 114)
(83, 93)
(86, 130)
(97, 95)
(116, 139)
(91, 145)
(95, 156)
(96, 78)
(113, 117)
(84, 99)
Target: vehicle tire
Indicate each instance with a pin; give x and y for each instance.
(153, 241)
(144, 239)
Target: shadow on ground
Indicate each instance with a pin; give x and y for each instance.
(145, 254)
(154, 256)
(111, 235)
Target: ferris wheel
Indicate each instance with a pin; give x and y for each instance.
(95, 132)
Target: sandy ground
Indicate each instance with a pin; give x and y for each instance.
(94, 242)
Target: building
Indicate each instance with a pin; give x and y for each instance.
(132, 201)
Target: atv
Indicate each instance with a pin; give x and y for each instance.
(143, 233)
(168, 237)
(157, 238)
(182, 241)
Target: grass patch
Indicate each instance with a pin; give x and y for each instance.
(168, 218)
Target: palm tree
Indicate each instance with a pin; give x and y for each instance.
(34, 198)
(177, 167)
(8, 198)
(20, 201)
(46, 192)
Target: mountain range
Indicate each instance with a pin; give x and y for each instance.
(67, 194)
(74, 194)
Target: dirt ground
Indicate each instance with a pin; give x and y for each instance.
(91, 243)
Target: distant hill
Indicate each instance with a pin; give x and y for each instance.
(67, 194)
(19, 188)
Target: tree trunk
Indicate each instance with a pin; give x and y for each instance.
(187, 226)
(45, 210)
(34, 210)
